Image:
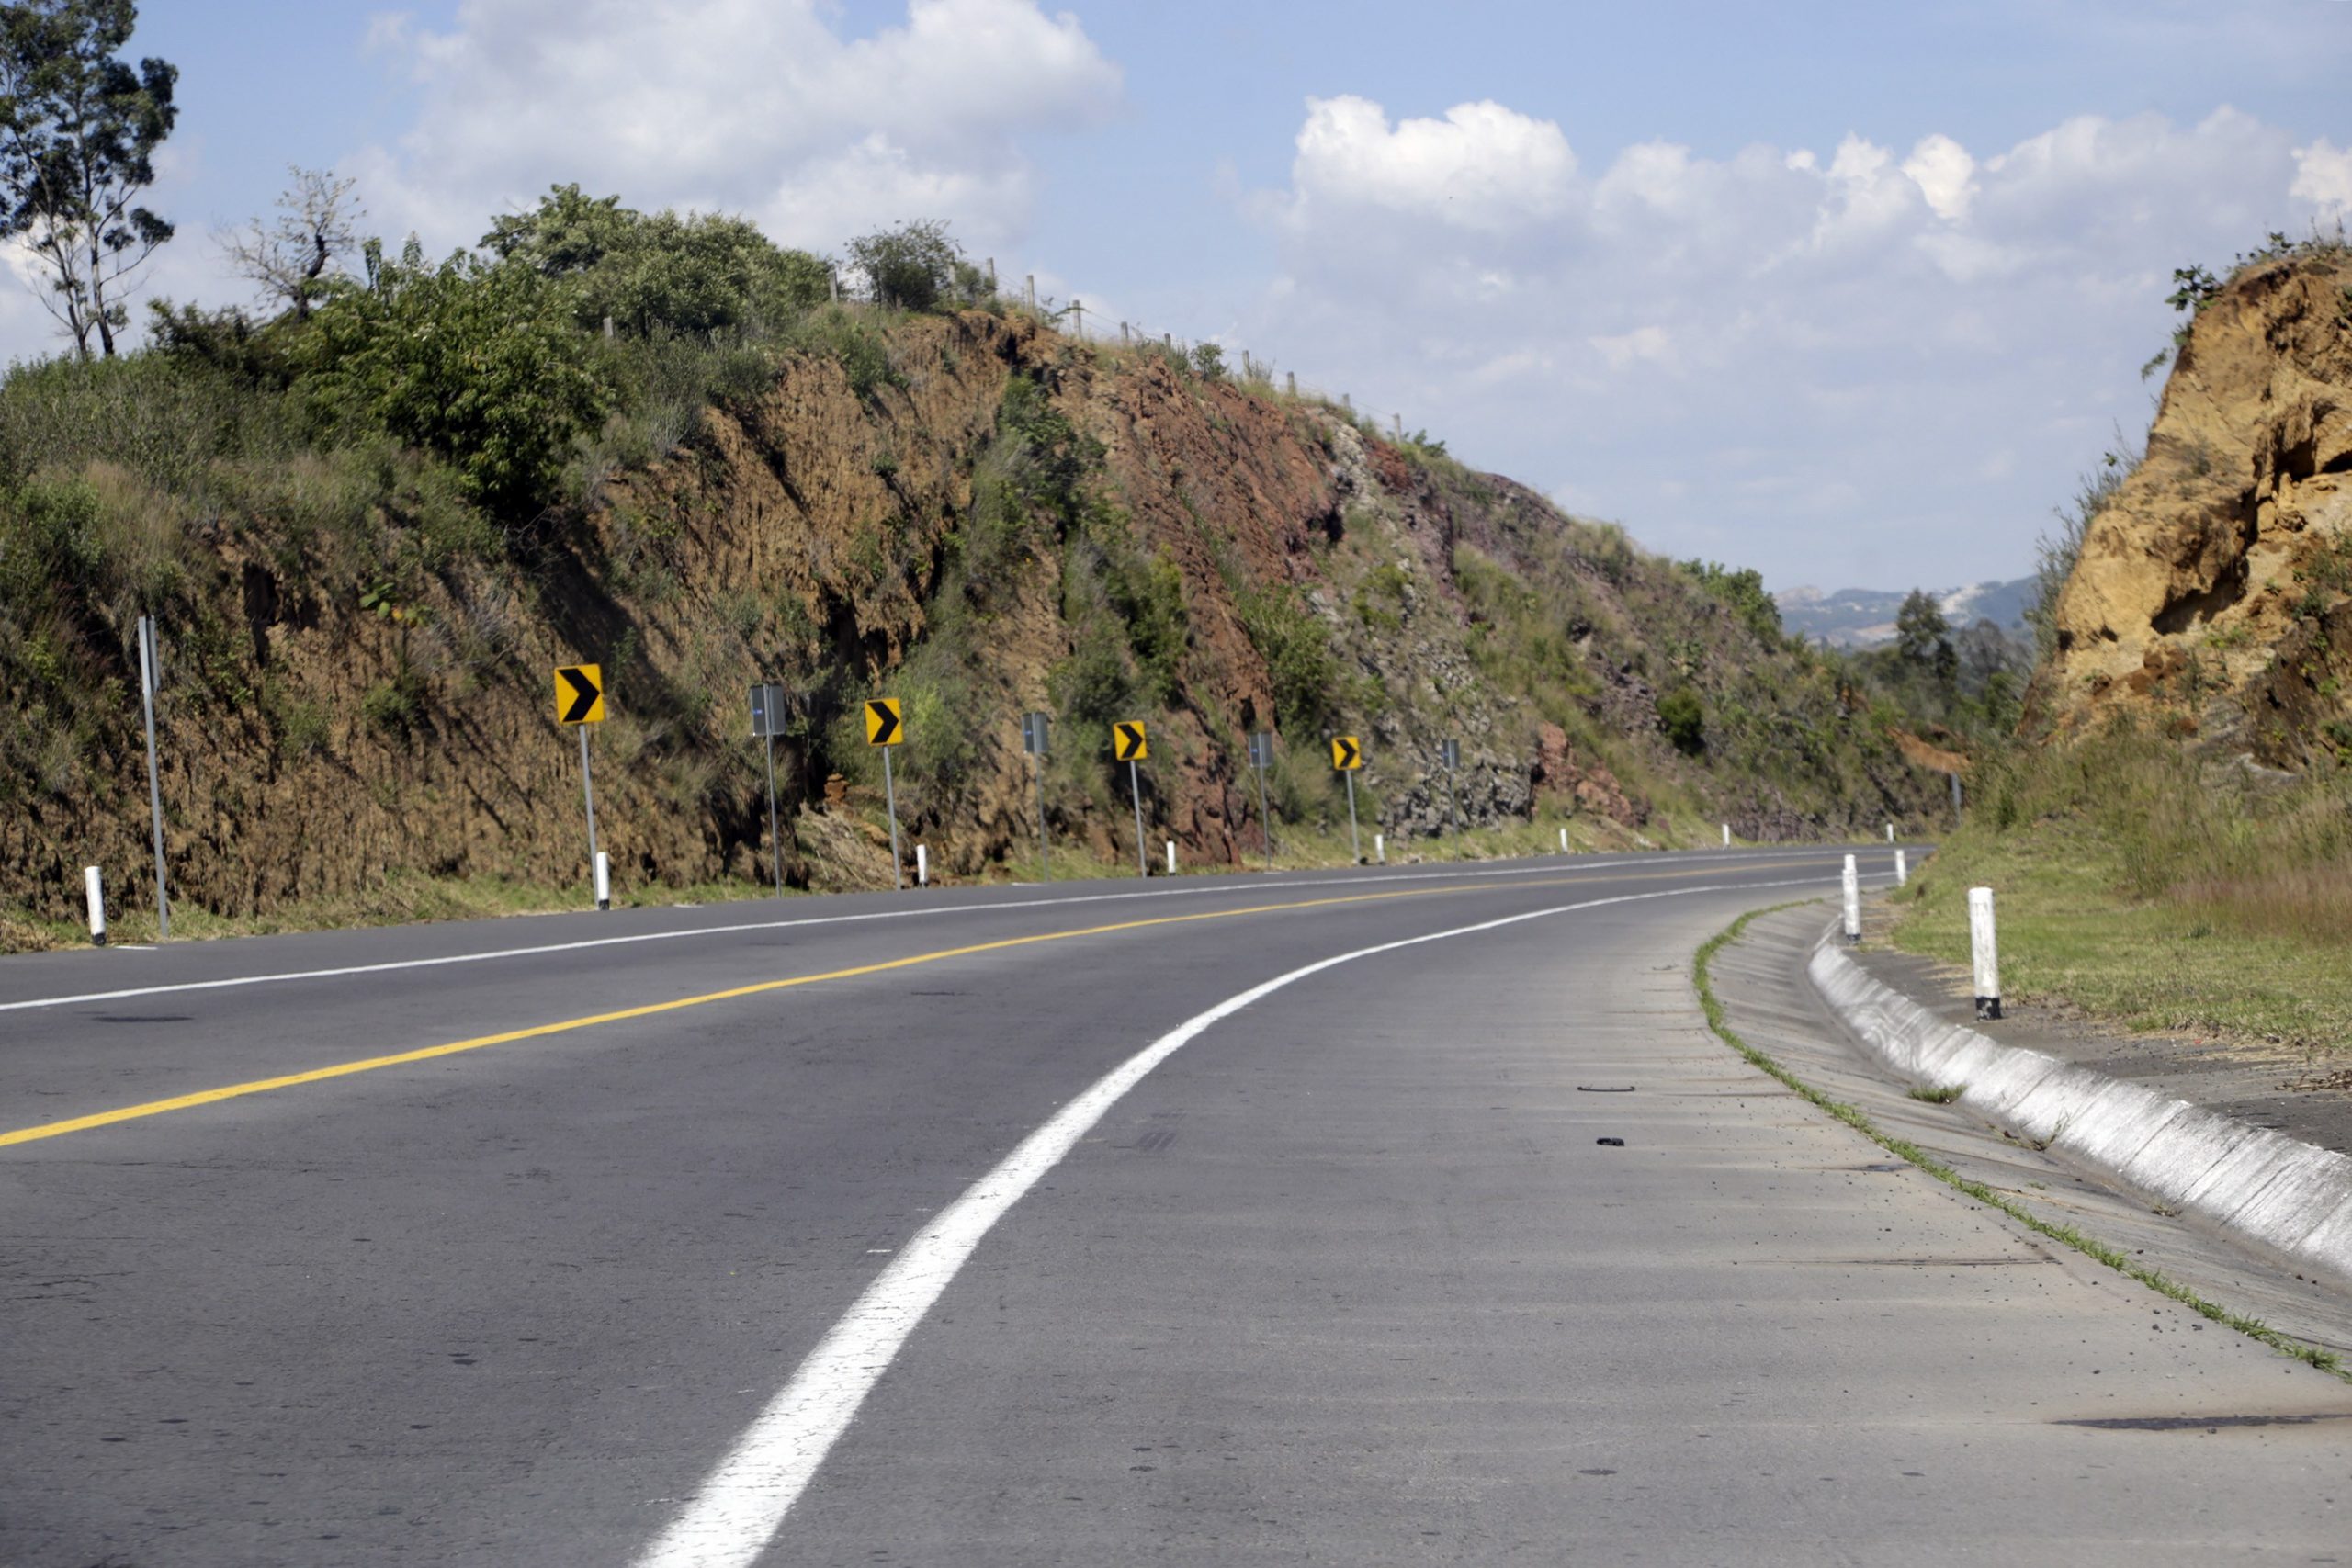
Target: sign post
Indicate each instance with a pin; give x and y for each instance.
(767, 722)
(884, 728)
(579, 703)
(1128, 746)
(147, 680)
(1347, 755)
(1449, 753)
(1034, 726)
(1262, 757)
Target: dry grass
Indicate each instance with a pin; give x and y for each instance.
(2143, 884)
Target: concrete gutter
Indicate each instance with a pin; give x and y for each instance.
(2290, 1197)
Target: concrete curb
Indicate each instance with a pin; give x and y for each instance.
(2290, 1197)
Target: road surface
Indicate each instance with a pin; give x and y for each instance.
(1265, 1220)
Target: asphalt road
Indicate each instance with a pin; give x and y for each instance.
(946, 1228)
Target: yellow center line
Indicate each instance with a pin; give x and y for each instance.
(428, 1053)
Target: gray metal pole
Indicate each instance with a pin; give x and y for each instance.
(1955, 799)
(1265, 819)
(588, 793)
(154, 788)
(1453, 797)
(1355, 845)
(1134, 788)
(776, 844)
(890, 803)
(1044, 860)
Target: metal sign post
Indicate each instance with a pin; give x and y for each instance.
(1129, 746)
(1347, 755)
(1135, 791)
(588, 792)
(884, 728)
(1450, 751)
(579, 703)
(767, 722)
(1262, 757)
(147, 678)
(1033, 727)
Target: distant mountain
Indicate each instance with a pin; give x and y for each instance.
(1864, 618)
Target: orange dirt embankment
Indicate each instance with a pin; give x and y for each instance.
(2212, 590)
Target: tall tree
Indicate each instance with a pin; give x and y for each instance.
(78, 133)
(289, 258)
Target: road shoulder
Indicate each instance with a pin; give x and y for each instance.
(1770, 1003)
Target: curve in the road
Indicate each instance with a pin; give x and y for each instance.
(735, 1514)
(457, 1047)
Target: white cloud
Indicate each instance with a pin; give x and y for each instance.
(2324, 177)
(1625, 350)
(1917, 349)
(1945, 174)
(1481, 167)
(759, 106)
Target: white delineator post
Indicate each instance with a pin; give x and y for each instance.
(1726, 835)
(923, 865)
(1985, 952)
(603, 881)
(1890, 832)
(1380, 847)
(1853, 887)
(1563, 840)
(94, 889)
(1172, 857)
(1902, 870)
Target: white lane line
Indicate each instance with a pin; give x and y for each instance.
(240, 980)
(738, 1510)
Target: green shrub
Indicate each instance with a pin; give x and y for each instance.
(698, 274)
(1683, 716)
(479, 363)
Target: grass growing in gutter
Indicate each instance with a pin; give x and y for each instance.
(1853, 1116)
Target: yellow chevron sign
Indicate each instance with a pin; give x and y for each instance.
(1128, 744)
(882, 725)
(580, 694)
(1347, 754)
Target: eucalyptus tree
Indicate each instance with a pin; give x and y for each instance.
(78, 133)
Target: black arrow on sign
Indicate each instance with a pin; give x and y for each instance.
(1347, 752)
(886, 722)
(1130, 740)
(583, 696)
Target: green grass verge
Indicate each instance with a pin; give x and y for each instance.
(2071, 932)
(1853, 1116)
(399, 900)
(2154, 885)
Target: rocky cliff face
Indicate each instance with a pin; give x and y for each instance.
(2213, 589)
(1001, 520)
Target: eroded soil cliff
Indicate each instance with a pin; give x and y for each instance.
(2211, 590)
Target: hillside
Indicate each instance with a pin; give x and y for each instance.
(964, 509)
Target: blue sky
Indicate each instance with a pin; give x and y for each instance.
(1846, 292)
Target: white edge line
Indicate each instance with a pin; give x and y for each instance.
(736, 1511)
(240, 980)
